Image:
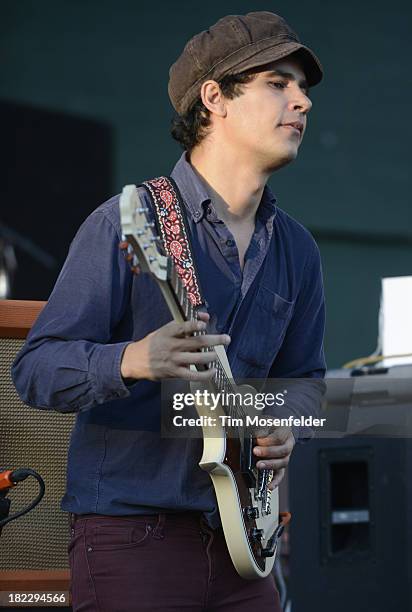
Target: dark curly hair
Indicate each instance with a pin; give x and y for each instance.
(190, 128)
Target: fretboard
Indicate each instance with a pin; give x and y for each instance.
(220, 381)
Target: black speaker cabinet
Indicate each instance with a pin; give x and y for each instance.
(351, 528)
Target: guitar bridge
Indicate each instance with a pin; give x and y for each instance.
(272, 544)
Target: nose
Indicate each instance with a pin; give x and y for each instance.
(300, 101)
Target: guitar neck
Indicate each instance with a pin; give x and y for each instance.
(176, 295)
(182, 309)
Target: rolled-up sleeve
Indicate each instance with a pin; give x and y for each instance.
(70, 361)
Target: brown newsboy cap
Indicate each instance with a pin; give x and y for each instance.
(234, 44)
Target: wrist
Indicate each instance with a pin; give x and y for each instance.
(132, 361)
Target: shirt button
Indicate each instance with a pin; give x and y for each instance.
(230, 242)
(197, 215)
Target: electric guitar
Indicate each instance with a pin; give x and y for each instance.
(249, 511)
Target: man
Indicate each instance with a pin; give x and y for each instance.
(145, 527)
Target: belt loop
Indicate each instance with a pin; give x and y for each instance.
(158, 531)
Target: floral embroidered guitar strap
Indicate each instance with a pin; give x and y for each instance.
(168, 208)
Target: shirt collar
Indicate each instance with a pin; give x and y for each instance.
(195, 196)
(192, 190)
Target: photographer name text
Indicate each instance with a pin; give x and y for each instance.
(246, 421)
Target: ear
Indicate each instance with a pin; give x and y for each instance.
(213, 98)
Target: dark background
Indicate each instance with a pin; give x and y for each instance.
(85, 110)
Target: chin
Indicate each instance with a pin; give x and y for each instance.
(283, 158)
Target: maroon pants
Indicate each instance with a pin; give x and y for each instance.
(172, 563)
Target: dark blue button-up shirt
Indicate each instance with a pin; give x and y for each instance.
(273, 310)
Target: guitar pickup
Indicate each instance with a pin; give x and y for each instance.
(247, 462)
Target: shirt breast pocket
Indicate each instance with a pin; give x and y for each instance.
(264, 333)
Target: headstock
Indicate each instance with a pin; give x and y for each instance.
(140, 239)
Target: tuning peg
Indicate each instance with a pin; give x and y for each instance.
(142, 209)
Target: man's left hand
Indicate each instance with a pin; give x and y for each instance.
(273, 452)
